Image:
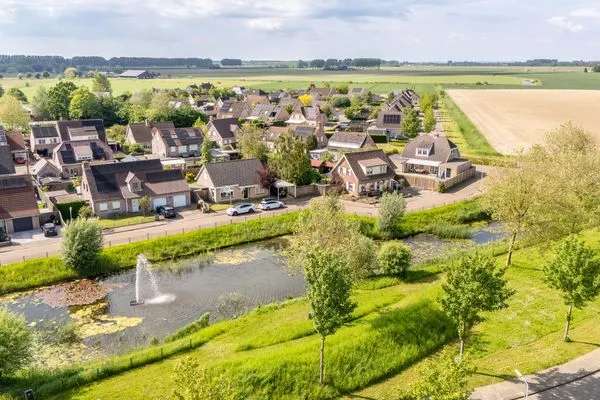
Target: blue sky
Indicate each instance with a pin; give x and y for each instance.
(425, 30)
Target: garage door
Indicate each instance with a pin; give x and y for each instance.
(159, 201)
(22, 224)
(179, 200)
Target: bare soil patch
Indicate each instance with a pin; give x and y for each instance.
(517, 119)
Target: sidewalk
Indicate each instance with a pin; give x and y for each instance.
(578, 379)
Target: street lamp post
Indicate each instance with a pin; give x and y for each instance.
(524, 380)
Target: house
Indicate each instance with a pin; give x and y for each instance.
(18, 206)
(254, 99)
(357, 92)
(118, 188)
(176, 142)
(18, 148)
(138, 74)
(388, 123)
(311, 116)
(433, 162)
(350, 141)
(233, 109)
(231, 180)
(141, 133)
(222, 131)
(362, 172)
(7, 165)
(323, 93)
(46, 135)
(69, 155)
(269, 113)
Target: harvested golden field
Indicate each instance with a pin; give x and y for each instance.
(515, 119)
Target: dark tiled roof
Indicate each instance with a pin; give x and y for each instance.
(223, 127)
(439, 148)
(17, 197)
(237, 172)
(348, 139)
(181, 136)
(69, 152)
(16, 141)
(45, 130)
(63, 127)
(142, 132)
(369, 157)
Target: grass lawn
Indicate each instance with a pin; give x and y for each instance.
(273, 352)
(117, 222)
(393, 147)
(216, 207)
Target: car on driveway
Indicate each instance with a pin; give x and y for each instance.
(270, 204)
(49, 229)
(166, 211)
(242, 208)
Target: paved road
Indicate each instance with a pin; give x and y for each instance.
(192, 220)
(578, 379)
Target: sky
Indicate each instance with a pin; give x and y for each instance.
(404, 30)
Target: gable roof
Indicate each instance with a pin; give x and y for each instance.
(142, 132)
(180, 136)
(368, 158)
(223, 127)
(439, 148)
(17, 197)
(238, 172)
(349, 140)
(45, 129)
(73, 152)
(15, 141)
(64, 126)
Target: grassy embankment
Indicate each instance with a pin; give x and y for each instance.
(272, 352)
(45, 271)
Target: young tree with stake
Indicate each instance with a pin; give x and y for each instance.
(575, 271)
(328, 292)
(473, 285)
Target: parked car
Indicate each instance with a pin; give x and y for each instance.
(270, 204)
(242, 208)
(166, 211)
(49, 229)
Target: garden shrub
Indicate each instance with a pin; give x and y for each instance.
(394, 258)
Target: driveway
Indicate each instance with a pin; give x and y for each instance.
(34, 245)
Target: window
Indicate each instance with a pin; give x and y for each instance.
(103, 206)
(350, 186)
(391, 118)
(116, 205)
(173, 149)
(422, 151)
(182, 149)
(193, 147)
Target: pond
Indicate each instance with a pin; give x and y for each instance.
(87, 319)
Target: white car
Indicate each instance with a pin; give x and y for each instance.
(270, 204)
(242, 208)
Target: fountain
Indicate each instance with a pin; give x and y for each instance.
(143, 267)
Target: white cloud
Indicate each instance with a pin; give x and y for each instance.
(585, 13)
(265, 24)
(565, 24)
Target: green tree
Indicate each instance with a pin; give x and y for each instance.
(84, 104)
(596, 68)
(410, 124)
(100, 83)
(194, 382)
(391, 210)
(81, 245)
(575, 271)
(394, 258)
(340, 235)
(12, 114)
(85, 212)
(342, 89)
(40, 104)
(1, 91)
(473, 285)
(17, 94)
(16, 343)
(71, 73)
(159, 109)
(328, 292)
(289, 160)
(250, 142)
(428, 120)
(117, 133)
(443, 378)
(145, 205)
(205, 156)
(59, 97)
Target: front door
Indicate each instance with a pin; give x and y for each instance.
(246, 192)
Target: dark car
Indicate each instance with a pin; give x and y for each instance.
(166, 211)
(49, 229)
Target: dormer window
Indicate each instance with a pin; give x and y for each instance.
(422, 151)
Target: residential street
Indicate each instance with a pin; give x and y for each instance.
(192, 219)
(578, 379)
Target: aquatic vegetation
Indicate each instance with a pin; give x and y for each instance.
(92, 320)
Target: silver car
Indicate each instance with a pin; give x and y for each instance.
(242, 208)
(270, 204)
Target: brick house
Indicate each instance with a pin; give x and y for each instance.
(142, 133)
(69, 155)
(231, 180)
(117, 188)
(46, 135)
(222, 131)
(361, 172)
(176, 142)
(18, 205)
(431, 160)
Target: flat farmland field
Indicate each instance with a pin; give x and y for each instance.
(517, 119)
